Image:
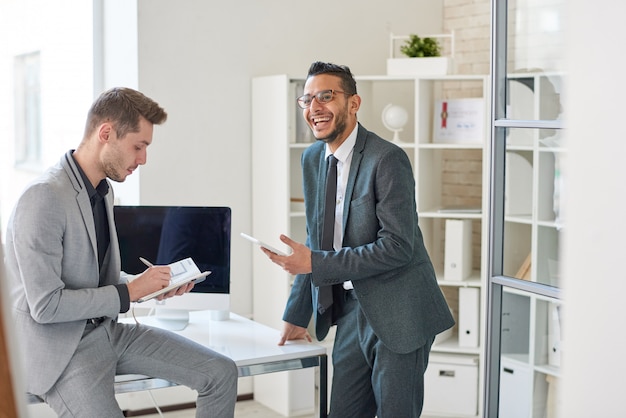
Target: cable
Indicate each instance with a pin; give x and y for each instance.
(150, 313)
(155, 404)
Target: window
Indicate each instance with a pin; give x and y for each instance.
(27, 110)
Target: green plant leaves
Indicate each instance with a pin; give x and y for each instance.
(416, 47)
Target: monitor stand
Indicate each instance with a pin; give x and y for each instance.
(168, 318)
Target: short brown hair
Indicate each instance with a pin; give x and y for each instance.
(123, 106)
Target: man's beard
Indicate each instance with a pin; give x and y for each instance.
(111, 166)
(340, 128)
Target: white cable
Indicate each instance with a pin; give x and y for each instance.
(155, 404)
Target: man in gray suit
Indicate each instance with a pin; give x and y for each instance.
(63, 265)
(383, 293)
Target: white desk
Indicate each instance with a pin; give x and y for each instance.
(251, 345)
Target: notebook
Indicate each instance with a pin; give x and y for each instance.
(183, 272)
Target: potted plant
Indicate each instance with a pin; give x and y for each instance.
(422, 57)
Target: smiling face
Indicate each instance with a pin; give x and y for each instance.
(122, 156)
(333, 121)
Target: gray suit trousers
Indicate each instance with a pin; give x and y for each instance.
(369, 379)
(86, 387)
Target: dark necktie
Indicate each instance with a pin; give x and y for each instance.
(325, 297)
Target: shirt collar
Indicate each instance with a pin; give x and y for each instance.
(96, 193)
(343, 152)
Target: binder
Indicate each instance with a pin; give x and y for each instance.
(469, 316)
(554, 335)
(518, 194)
(458, 249)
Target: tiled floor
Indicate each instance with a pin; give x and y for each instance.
(244, 409)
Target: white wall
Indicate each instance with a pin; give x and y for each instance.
(197, 58)
(594, 240)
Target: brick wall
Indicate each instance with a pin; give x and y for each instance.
(471, 22)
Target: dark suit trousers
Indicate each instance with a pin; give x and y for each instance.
(370, 380)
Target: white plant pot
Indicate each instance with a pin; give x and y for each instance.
(419, 66)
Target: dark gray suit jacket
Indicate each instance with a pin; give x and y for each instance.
(383, 252)
(52, 267)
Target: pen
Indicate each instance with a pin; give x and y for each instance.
(146, 262)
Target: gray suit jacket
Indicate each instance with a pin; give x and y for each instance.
(383, 252)
(52, 267)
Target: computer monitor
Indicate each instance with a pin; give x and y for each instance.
(165, 234)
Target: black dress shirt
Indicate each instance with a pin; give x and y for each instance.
(101, 222)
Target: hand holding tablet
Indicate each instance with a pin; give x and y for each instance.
(262, 244)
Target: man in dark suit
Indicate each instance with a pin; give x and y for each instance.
(379, 279)
(63, 269)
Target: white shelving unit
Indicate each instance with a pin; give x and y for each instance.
(531, 340)
(447, 175)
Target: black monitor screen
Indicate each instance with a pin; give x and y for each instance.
(165, 234)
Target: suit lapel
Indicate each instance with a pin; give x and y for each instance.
(82, 199)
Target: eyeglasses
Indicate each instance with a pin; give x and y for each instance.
(323, 96)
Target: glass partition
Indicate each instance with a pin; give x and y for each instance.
(531, 355)
(526, 222)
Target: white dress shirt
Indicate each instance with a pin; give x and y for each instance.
(343, 154)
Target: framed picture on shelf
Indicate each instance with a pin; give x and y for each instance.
(459, 121)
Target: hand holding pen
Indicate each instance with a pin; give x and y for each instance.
(153, 279)
(178, 291)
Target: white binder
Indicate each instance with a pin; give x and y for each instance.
(469, 316)
(518, 193)
(458, 249)
(554, 334)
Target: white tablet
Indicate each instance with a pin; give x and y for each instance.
(262, 244)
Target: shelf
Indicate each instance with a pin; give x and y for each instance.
(444, 215)
(519, 147)
(451, 346)
(550, 224)
(449, 146)
(555, 150)
(521, 359)
(526, 219)
(472, 281)
(549, 370)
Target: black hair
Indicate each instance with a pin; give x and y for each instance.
(348, 83)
